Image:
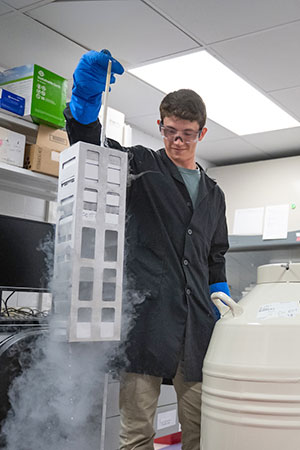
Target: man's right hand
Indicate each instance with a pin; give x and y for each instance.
(89, 81)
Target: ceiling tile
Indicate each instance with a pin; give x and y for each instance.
(4, 9)
(280, 143)
(290, 99)
(229, 151)
(267, 59)
(30, 42)
(216, 131)
(214, 20)
(19, 4)
(132, 31)
(134, 97)
(148, 125)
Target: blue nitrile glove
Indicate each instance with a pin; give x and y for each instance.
(219, 287)
(89, 80)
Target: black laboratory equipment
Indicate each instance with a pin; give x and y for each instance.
(26, 261)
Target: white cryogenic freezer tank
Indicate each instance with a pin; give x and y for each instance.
(251, 373)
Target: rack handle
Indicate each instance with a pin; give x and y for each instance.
(104, 117)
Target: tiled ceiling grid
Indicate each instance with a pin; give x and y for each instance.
(257, 39)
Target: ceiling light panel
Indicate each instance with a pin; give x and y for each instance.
(230, 100)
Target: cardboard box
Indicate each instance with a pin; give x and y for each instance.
(12, 103)
(45, 92)
(43, 157)
(12, 146)
(52, 138)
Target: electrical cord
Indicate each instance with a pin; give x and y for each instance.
(22, 312)
(6, 301)
(26, 312)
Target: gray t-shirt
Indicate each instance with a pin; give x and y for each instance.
(191, 178)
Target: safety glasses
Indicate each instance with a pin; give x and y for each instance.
(171, 134)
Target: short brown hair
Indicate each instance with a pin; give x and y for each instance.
(184, 104)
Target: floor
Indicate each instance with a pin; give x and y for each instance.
(167, 447)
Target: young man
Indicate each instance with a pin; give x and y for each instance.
(176, 238)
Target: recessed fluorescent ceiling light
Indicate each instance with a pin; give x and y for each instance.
(230, 100)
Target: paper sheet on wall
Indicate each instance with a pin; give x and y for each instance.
(276, 222)
(248, 221)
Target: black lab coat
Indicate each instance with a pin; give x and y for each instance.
(174, 252)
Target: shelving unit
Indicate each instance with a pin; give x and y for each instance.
(19, 125)
(23, 181)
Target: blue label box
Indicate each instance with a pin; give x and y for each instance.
(12, 102)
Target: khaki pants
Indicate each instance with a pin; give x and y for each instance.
(138, 401)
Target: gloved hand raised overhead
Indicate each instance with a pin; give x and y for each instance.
(89, 80)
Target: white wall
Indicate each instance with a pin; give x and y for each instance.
(260, 184)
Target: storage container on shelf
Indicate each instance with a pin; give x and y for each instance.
(251, 373)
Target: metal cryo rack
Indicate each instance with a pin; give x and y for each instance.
(89, 243)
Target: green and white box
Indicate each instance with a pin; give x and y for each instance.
(45, 93)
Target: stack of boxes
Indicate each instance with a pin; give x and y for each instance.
(43, 157)
(37, 95)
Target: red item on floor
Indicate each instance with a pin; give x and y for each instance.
(174, 438)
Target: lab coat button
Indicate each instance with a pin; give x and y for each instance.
(188, 291)
(185, 262)
(190, 231)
